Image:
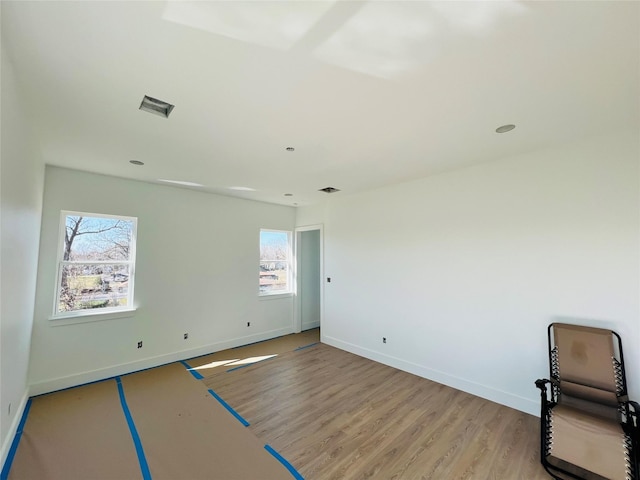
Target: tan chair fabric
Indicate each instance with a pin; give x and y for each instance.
(585, 357)
(591, 394)
(591, 442)
(593, 408)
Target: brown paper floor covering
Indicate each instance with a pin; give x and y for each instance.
(82, 433)
(187, 434)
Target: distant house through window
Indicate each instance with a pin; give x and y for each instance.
(275, 262)
(96, 263)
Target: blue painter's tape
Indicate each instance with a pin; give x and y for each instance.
(107, 378)
(16, 440)
(241, 366)
(75, 386)
(253, 343)
(191, 370)
(284, 462)
(306, 346)
(228, 407)
(142, 459)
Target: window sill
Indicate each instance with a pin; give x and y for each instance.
(84, 317)
(275, 296)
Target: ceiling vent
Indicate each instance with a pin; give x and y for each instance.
(155, 106)
(329, 190)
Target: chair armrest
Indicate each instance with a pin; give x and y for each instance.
(632, 415)
(635, 405)
(542, 384)
(549, 396)
(634, 412)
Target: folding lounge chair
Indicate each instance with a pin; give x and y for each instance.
(589, 428)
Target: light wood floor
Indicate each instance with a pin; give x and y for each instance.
(335, 415)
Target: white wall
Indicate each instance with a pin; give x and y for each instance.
(463, 271)
(196, 272)
(21, 187)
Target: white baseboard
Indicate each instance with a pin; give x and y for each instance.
(8, 440)
(61, 383)
(498, 396)
(310, 325)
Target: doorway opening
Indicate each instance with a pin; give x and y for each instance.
(309, 273)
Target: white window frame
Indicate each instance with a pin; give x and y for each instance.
(102, 313)
(289, 262)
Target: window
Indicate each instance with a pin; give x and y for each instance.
(96, 263)
(275, 262)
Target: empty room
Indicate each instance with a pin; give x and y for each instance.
(311, 239)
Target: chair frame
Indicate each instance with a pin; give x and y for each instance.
(629, 410)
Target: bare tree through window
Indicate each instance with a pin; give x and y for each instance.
(97, 262)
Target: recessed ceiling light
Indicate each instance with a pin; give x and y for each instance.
(505, 128)
(181, 182)
(290, 149)
(136, 162)
(155, 106)
(329, 190)
(288, 194)
(242, 189)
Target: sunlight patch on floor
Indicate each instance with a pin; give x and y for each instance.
(234, 362)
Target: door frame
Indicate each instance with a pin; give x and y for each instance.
(297, 304)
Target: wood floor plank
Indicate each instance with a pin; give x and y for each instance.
(335, 415)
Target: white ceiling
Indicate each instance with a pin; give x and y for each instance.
(369, 93)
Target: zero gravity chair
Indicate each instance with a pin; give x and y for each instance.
(589, 428)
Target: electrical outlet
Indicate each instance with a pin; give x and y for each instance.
(384, 339)
(248, 324)
(140, 344)
(186, 335)
(328, 279)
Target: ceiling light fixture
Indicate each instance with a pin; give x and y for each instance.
(329, 190)
(290, 149)
(136, 162)
(505, 128)
(181, 182)
(155, 106)
(242, 189)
